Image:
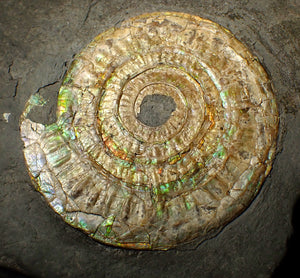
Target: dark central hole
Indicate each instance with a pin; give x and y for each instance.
(156, 109)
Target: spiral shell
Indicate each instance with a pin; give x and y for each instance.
(130, 184)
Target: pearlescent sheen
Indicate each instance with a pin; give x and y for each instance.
(132, 185)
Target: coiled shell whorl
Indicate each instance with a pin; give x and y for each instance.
(129, 183)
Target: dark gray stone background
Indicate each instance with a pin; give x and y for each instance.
(156, 109)
(37, 42)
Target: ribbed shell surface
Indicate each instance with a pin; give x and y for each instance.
(137, 186)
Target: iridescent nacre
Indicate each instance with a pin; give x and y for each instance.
(153, 187)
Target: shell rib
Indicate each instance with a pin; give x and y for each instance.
(137, 186)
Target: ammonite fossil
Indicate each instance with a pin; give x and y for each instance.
(128, 183)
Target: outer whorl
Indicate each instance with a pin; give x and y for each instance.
(131, 184)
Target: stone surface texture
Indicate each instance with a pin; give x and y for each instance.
(38, 41)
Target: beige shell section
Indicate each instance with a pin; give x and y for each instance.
(136, 186)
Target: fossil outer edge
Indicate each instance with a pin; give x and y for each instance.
(135, 186)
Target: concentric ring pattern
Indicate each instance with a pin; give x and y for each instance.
(153, 187)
